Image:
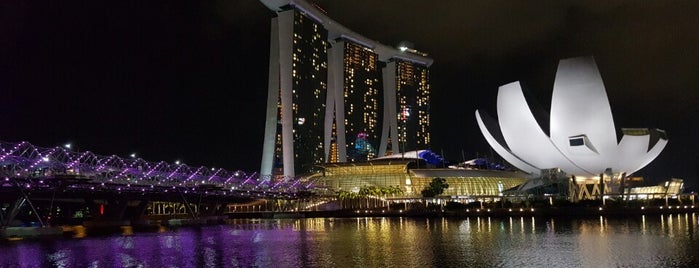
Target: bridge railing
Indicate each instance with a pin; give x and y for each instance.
(24, 160)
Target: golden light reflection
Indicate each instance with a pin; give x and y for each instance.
(478, 224)
(79, 231)
(465, 226)
(419, 242)
(552, 226)
(126, 230)
(601, 225)
(662, 223)
(409, 242)
(489, 229)
(315, 224)
(670, 226)
(511, 226)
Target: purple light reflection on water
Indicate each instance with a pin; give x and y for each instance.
(647, 241)
(209, 246)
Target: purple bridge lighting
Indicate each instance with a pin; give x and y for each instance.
(31, 166)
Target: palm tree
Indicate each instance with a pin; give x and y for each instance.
(375, 193)
(392, 190)
(354, 197)
(363, 193)
(342, 196)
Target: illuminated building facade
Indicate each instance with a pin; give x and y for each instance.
(356, 103)
(413, 96)
(463, 183)
(297, 88)
(333, 94)
(309, 76)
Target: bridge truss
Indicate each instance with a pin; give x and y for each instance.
(29, 166)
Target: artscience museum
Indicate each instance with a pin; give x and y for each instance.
(582, 141)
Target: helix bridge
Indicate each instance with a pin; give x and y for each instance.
(28, 167)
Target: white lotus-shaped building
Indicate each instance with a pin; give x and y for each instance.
(583, 140)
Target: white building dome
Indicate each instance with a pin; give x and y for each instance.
(583, 138)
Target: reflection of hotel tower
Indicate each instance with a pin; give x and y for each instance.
(337, 96)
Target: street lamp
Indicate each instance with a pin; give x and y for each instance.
(133, 155)
(67, 145)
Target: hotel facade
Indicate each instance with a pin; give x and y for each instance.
(336, 96)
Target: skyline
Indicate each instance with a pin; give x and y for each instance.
(331, 91)
(188, 81)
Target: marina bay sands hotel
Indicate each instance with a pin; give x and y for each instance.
(337, 96)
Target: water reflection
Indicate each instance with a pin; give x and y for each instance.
(653, 240)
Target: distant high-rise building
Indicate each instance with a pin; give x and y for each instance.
(406, 126)
(335, 95)
(357, 103)
(297, 87)
(413, 96)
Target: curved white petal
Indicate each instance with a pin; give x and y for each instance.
(502, 151)
(630, 152)
(579, 106)
(651, 155)
(523, 135)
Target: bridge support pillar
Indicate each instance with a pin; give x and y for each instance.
(16, 208)
(13, 211)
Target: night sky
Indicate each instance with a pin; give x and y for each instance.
(187, 80)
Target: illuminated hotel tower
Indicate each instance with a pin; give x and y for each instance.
(335, 95)
(354, 102)
(413, 105)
